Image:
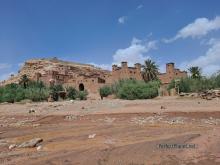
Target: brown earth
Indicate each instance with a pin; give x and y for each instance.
(122, 132)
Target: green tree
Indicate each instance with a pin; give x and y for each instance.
(150, 71)
(24, 80)
(196, 72)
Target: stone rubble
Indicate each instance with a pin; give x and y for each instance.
(12, 146)
(31, 143)
(208, 94)
(92, 136)
(172, 120)
(39, 148)
(70, 117)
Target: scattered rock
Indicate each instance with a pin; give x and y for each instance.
(183, 94)
(92, 136)
(50, 99)
(39, 148)
(158, 119)
(31, 110)
(36, 125)
(70, 117)
(12, 146)
(83, 107)
(162, 107)
(109, 141)
(211, 121)
(109, 120)
(176, 120)
(210, 94)
(30, 143)
(193, 95)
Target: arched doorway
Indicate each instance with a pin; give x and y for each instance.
(81, 87)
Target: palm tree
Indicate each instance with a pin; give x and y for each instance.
(195, 72)
(150, 70)
(24, 80)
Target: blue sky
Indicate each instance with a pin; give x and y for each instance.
(103, 32)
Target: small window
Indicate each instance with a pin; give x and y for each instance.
(101, 80)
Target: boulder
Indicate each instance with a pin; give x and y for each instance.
(12, 146)
(31, 143)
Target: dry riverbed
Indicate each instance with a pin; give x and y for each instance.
(162, 131)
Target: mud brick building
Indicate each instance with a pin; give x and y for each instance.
(125, 72)
(85, 76)
(166, 78)
(171, 73)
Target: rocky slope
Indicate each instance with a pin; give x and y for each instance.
(42, 66)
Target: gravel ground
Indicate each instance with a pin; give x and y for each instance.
(162, 131)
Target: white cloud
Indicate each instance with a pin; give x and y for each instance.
(208, 62)
(140, 6)
(122, 19)
(135, 52)
(5, 66)
(200, 27)
(103, 66)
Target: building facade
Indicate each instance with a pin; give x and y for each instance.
(171, 73)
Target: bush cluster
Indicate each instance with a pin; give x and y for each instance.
(73, 94)
(197, 85)
(131, 89)
(37, 91)
(105, 91)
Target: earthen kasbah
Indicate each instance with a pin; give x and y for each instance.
(85, 76)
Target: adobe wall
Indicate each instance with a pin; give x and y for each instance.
(171, 73)
(125, 72)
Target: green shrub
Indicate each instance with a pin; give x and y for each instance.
(194, 85)
(20, 94)
(54, 91)
(37, 91)
(82, 95)
(57, 88)
(105, 91)
(8, 97)
(36, 94)
(9, 93)
(71, 93)
(133, 89)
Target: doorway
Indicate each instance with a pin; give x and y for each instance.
(81, 87)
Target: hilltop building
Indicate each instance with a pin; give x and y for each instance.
(84, 76)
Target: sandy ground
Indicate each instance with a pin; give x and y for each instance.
(138, 132)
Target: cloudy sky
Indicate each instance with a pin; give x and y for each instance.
(103, 32)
